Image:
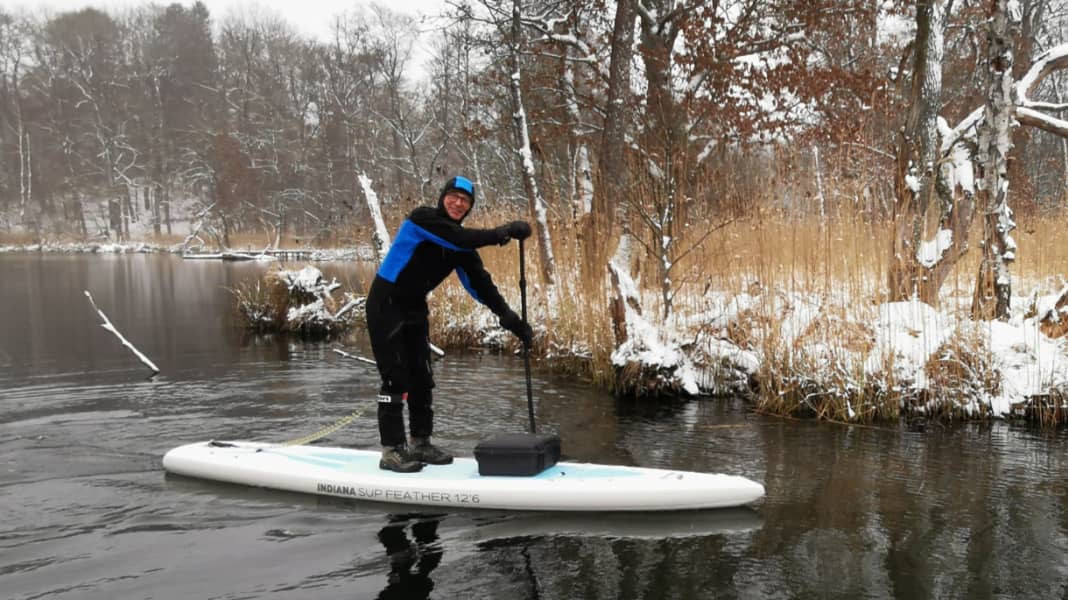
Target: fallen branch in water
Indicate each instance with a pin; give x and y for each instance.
(107, 325)
(354, 303)
(355, 357)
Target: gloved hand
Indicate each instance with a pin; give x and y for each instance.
(519, 230)
(518, 326)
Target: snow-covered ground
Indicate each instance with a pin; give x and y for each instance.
(362, 252)
(851, 350)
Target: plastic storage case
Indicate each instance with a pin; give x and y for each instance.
(517, 454)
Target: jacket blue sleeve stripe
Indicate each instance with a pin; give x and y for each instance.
(408, 238)
(464, 279)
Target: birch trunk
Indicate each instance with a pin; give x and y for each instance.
(580, 176)
(526, 162)
(993, 289)
(25, 166)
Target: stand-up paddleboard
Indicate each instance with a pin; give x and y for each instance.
(355, 474)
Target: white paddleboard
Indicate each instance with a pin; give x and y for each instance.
(355, 474)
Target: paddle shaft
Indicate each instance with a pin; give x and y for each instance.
(526, 344)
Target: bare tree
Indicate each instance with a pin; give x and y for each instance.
(15, 52)
(535, 201)
(993, 290)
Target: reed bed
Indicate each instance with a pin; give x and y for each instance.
(834, 269)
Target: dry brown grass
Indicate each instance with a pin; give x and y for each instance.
(1043, 251)
(960, 371)
(164, 239)
(17, 238)
(841, 261)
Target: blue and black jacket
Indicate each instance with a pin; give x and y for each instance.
(428, 247)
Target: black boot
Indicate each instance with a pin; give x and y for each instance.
(428, 453)
(399, 459)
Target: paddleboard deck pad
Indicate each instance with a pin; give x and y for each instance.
(355, 474)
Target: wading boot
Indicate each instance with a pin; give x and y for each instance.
(399, 459)
(423, 450)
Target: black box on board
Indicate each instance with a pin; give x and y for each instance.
(517, 454)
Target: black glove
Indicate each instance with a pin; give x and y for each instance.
(519, 327)
(519, 230)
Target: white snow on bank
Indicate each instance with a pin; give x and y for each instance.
(902, 340)
(1030, 363)
(906, 335)
(363, 252)
(86, 248)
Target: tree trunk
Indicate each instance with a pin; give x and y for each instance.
(123, 201)
(157, 196)
(664, 137)
(624, 291)
(79, 206)
(608, 209)
(1033, 13)
(226, 232)
(114, 216)
(916, 174)
(167, 208)
(526, 161)
(993, 288)
(659, 31)
(25, 164)
(580, 179)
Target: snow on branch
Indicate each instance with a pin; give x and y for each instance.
(107, 325)
(1027, 110)
(1034, 118)
(967, 129)
(1051, 60)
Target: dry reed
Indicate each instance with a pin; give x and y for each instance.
(840, 263)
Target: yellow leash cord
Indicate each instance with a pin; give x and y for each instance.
(343, 421)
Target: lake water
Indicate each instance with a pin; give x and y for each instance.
(86, 510)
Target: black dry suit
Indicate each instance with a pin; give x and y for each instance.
(428, 246)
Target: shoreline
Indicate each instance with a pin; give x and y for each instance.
(774, 350)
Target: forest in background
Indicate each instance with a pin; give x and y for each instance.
(107, 118)
(632, 133)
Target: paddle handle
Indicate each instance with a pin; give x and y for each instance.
(526, 345)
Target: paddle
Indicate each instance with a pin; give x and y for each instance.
(526, 344)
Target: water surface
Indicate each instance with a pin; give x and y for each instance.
(87, 512)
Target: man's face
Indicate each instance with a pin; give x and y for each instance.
(457, 204)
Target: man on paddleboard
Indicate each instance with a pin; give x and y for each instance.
(430, 244)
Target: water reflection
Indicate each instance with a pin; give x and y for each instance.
(411, 559)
